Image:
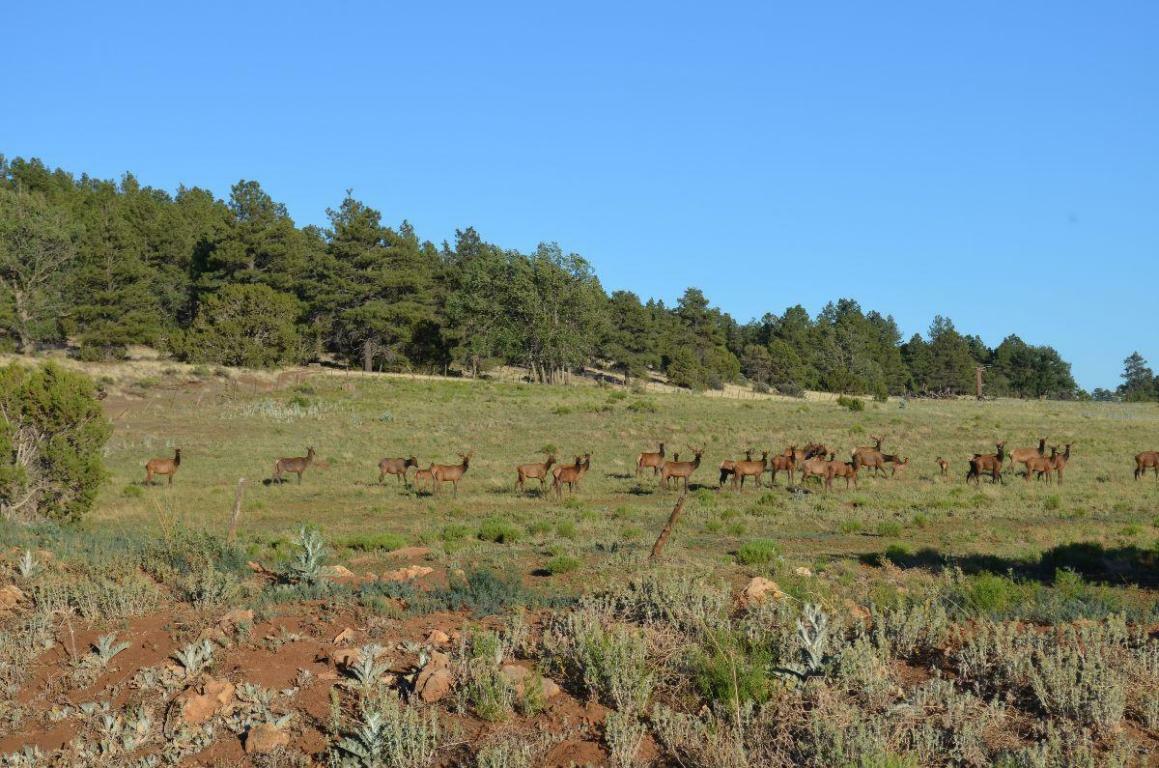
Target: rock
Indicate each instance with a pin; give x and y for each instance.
(346, 657)
(520, 676)
(338, 572)
(759, 589)
(345, 636)
(264, 738)
(802, 571)
(198, 706)
(10, 597)
(857, 613)
(435, 680)
(257, 567)
(438, 637)
(238, 617)
(407, 573)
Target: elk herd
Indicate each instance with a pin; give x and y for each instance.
(801, 464)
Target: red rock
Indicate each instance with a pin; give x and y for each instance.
(759, 589)
(345, 636)
(434, 686)
(438, 637)
(408, 573)
(264, 738)
(198, 706)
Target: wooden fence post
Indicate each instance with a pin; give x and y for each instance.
(236, 509)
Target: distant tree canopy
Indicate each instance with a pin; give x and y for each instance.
(106, 264)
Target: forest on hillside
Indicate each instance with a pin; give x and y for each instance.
(101, 264)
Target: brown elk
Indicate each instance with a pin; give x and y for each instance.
(654, 460)
(533, 472)
(813, 450)
(877, 441)
(750, 468)
(990, 463)
(425, 477)
(570, 475)
(681, 470)
(451, 473)
(943, 465)
(727, 467)
(816, 466)
(833, 469)
(1147, 460)
(296, 464)
(396, 467)
(1040, 465)
(870, 458)
(785, 462)
(163, 467)
(897, 463)
(1020, 455)
(1059, 461)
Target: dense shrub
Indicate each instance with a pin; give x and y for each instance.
(247, 325)
(50, 440)
(852, 403)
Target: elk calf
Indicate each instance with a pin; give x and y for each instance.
(162, 467)
(943, 465)
(296, 465)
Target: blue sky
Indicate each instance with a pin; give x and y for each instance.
(996, 162)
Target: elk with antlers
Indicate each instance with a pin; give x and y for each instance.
(451, 473)
(727, 467)
(571, 475)
(648, 459)
(785, 462)
(296, 464)
(1147, 460)
(750, 468)
(990, 463)
(163, 467)
(534, 472)
(681, 470)
(1021, 455)
(396, 467)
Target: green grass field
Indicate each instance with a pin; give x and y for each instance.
(228, 430)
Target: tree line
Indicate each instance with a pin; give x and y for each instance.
(101, 265)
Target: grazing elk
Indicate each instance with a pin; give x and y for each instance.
(943, 465)
(1059, 460)
(451, 473)
(533, 472)
(897, 464)
(990, 463)
(570, 475)
(845, 469)
(681, 470)
(653, 460)
(1020, 455)
(163, 467)
(396, 467)
(296, 464)
(785, 462)
(1147, 460)
(750, 468)
(727, 467)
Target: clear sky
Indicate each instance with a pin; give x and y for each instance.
(994, 161)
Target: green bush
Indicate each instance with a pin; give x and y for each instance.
(247, 325)
(561, 564)
(368, 542)
(854, 404)
(498, 531)
(51, 442)
(758, 552)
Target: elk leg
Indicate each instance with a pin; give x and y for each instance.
(170, 478)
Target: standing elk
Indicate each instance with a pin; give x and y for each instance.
(1059, 460)
(897, 463)
(750, 468)
(570, 475)
(871, 459)
(1020, 455)
(681, 470)
(1039, 465)
(396, 467)
(451, 473)
(833, 469)
(425, 477)
(816, 466)
(296, 464)
(990, 463)
(534, 472)
(727, 467)
(653, 460)
(943, 465)
(785, 462)
(163, 467)
(1147, 460)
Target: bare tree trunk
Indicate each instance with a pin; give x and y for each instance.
(666, 531)
(368, 355)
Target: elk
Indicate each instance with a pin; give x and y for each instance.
(396, 467)
(990, 463)
(877, 441)
(897, 463)
(871, 458)
(451, 473)
(943, 465)
(1040, 465)
(815, 449)
(1059, 460)
(653, 460)
(162, 467)
(296, 464)
(534, 472)
(750, 468)
(425, 476)
(680, 469)
(833, 469)
(727, 467)
(570, 475)
(816, 467)
(1020, 455)
(1147, 460)
(786, 462)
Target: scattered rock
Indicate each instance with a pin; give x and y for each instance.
(438, 637)
(264, 738)
(434, 686)
(338, 572)
(759, 589)
(345, 636)
(802, 571)
(198, 706)
(407, 573)
(346, 657)
(520, 676)
(10, 597)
